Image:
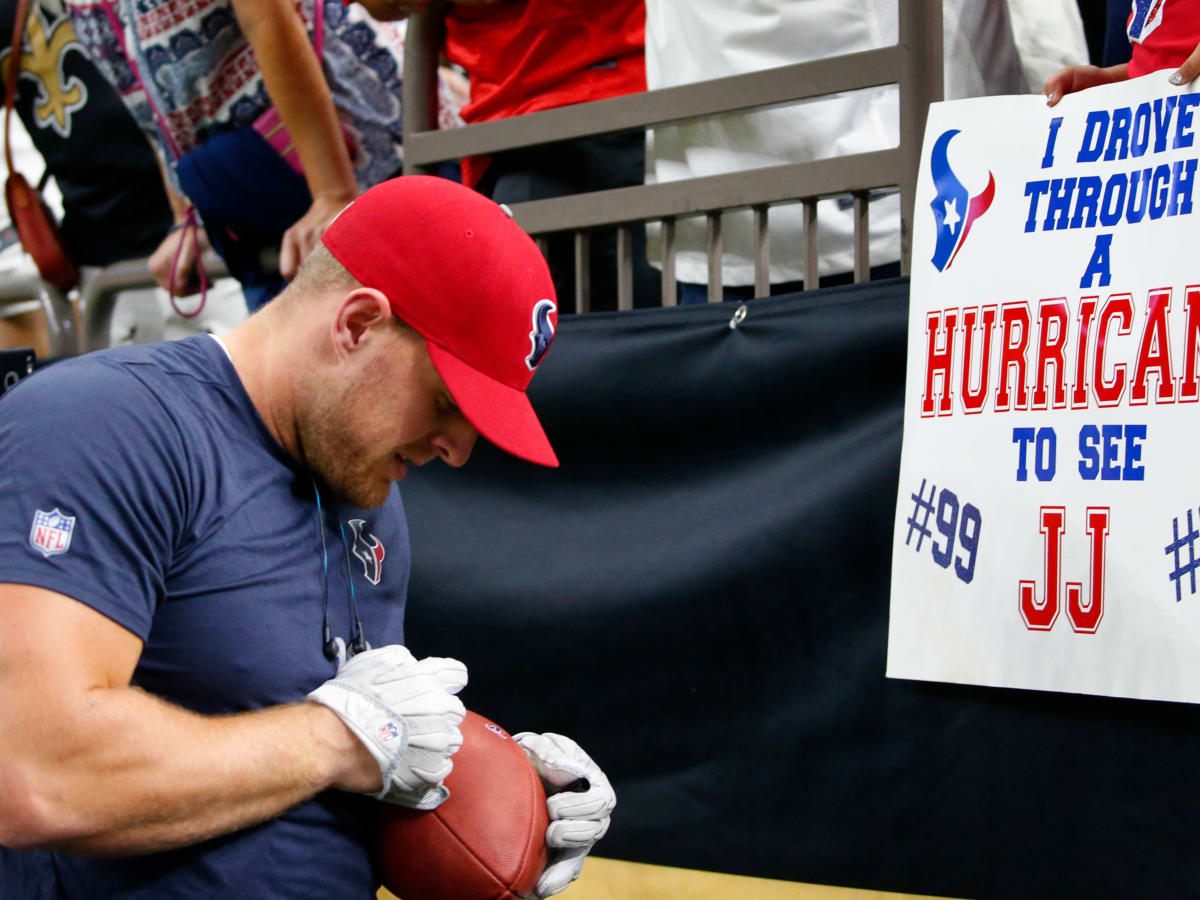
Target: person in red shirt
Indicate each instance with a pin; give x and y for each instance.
(532, 55)
(524, 56)
(1163, 34)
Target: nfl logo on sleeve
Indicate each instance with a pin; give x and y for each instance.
(51, 532)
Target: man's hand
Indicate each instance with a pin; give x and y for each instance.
(580, 802)
(1079, 78)
(405, 713)
(299, 240)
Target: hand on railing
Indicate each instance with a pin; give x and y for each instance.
(305, 233)
(173, 264)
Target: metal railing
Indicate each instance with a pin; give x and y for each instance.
(95, 298)
(914, 64)
(98, 293)
(59, 313)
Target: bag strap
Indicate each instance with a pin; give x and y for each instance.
(14, 70)
(118, 29)
(318, 28)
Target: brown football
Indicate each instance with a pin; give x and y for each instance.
(487, 842)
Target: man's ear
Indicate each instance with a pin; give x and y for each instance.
(360, 314)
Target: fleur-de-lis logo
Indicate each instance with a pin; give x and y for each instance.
(43, 58)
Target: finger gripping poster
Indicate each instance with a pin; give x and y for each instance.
(1048, 517)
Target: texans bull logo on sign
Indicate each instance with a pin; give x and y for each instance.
(954, 210)
(368, 550)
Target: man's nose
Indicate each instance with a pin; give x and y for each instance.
(454, 440)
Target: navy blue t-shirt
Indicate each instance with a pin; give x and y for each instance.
(142, 482)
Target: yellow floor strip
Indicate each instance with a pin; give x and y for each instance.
(611, 879)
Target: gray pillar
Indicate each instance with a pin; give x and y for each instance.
(921, 83)
(422, 44)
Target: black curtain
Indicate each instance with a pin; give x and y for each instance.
(699, 596)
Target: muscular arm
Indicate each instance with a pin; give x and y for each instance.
(297, 88)
(91, 764)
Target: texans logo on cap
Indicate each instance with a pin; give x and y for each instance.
(542, 335)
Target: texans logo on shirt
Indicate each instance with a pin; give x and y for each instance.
(954, 210)
(542, 335)
(368, 550)
(1147, 15)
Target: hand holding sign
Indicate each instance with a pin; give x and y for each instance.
(1080, 78)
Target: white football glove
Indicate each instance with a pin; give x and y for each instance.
(405, 713)
(580, 802)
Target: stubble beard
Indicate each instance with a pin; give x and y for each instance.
(327, 443)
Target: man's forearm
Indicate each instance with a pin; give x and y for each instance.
(135, 774)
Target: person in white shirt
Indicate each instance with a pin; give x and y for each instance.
(991, 47)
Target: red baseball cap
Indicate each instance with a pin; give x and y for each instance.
(457, 268)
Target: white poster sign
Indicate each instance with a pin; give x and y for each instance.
(1048, 516)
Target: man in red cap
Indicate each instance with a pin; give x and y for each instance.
(200, 541)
